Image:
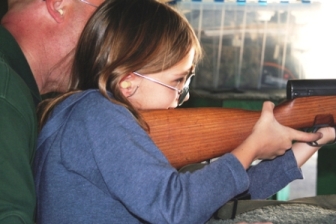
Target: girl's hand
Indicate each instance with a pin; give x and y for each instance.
(275, 139)
(269, 138)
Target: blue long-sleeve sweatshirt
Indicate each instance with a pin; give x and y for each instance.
(95, 164)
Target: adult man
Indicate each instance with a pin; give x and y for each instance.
(37, 39)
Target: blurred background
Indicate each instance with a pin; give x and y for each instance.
(254, 45)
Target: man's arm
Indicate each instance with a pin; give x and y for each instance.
(17, 194)
(18, 135)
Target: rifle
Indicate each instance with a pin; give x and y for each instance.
(192, 135)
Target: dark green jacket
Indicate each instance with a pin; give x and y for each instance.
(19, 97)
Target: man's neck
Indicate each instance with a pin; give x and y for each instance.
(41, 50)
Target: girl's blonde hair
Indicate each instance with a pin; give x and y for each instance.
(124, 36)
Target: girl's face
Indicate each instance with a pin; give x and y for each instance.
(148, 93)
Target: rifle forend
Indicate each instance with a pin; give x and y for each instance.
(190, 135)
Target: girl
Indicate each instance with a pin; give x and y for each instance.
(95, 161)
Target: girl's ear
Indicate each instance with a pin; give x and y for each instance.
(56, 9)
(127, 85)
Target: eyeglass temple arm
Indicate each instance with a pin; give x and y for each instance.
(153, 80)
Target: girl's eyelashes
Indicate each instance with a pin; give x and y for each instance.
(180, 80)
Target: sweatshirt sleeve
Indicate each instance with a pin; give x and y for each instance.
(136, 172)
(270, 176)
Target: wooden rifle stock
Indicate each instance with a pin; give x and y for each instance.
(190, 135)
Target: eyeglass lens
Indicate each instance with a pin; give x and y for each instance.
(185, 90)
